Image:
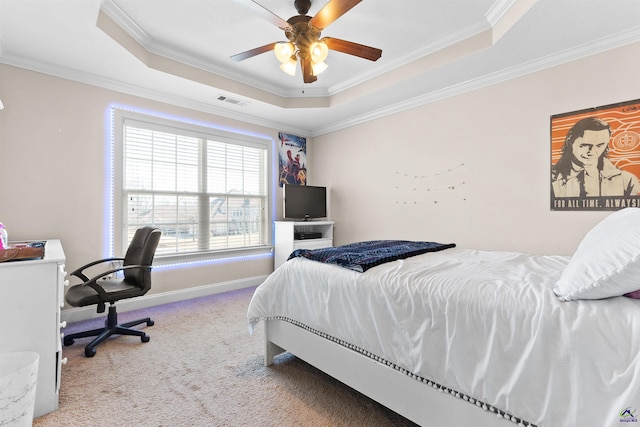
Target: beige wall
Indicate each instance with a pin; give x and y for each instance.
(52, 171)
(501, 135)
(388, 178)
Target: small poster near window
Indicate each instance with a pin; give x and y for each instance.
(595, 158)
(292, 156)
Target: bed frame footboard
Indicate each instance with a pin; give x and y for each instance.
(403, 393)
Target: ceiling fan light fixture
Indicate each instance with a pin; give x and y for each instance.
(304, 43)
(318, 67)
(290, 66)
(318, 51)
(284, 51)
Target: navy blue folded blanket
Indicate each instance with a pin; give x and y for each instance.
(362, 256)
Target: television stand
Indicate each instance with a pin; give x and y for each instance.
(292, 235)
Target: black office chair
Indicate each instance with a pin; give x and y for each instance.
(136, 281)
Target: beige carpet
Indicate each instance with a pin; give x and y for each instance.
(201, 368)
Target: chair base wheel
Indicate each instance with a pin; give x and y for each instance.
(111, 327)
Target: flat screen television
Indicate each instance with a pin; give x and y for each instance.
(304, 202)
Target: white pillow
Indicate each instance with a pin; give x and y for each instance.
(607, 261)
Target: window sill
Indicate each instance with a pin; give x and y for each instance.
(204, 257)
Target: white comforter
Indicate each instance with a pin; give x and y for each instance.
(486, 324)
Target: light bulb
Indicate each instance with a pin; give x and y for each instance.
(283, 51)
(318, 68)
(319, 52)
(290, 66)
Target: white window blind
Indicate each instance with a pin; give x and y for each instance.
(206, 191)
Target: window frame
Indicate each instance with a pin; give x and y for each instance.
(120, 116)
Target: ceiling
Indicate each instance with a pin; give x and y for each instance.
(178, 51)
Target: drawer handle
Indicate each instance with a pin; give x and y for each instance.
(63, 324)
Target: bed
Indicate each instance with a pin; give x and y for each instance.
(463, 337)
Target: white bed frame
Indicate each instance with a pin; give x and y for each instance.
(409, 396)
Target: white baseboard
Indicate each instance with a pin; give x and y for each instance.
(89, 312)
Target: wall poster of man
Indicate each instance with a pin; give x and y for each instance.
(292, 157)
(595, 158)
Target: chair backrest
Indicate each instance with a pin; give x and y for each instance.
(141, 251)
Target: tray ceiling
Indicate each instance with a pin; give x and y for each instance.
(178, 51)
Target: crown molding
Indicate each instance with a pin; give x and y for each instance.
(582, 51)
(114, 13)
(146, 93)
(521, 70)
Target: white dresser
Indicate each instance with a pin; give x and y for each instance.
(31, 296)
(286, 240)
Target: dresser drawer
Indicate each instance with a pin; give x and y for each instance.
(312, 243)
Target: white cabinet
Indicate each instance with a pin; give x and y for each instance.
(31, 296)
(292, 235)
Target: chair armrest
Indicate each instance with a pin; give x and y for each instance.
(79, 271)
(93, 282)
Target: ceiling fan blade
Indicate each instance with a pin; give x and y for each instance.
(266, 14)
(307, 71)
(253, 52)
(332, 11)
(351, 48)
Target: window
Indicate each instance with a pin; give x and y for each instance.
(206, 189)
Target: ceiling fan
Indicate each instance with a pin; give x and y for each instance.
(305, 44)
